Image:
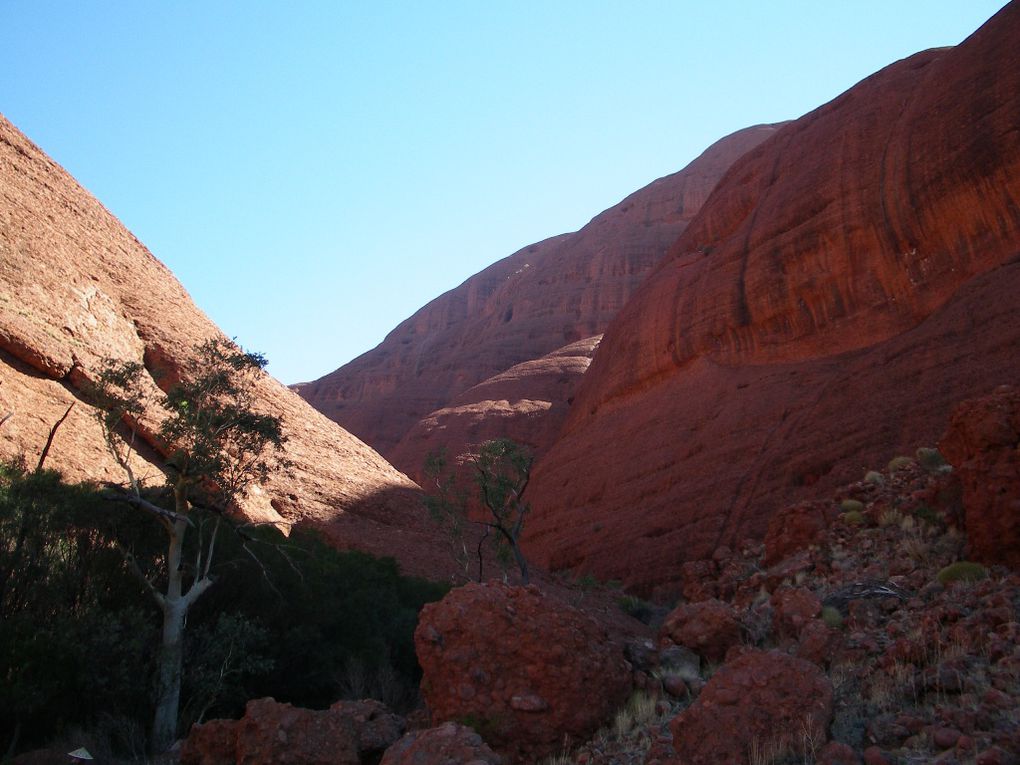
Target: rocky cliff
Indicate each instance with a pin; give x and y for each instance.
(527, 403)
(76, 287)
(848, 281)
(539, 299)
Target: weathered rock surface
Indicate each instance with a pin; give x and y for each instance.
(270, 733)
(528, 671)
(849, 280)
(541, 298)
(983, 445)
(527, 403)
(764, 701)
(447, 744)
(709, 628)
(796, 528)
(76, 287)
(793, 609)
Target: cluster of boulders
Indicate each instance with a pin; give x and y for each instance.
(856, 633)
(530, 674)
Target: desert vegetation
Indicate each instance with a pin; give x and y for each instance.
(488, 518)
(305, 624)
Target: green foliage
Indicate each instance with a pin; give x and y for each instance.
(851, 506)
(637, 608)
(832, 617)
(501, 470)
(224, 654)
(218, 445)
(873, 476)
(899, 463)
(927, 515)
(854, 518)
(77, 633)
(962, 571)
(932, 460)
(216, 433)
(328, 614)
(489, 728)
(74, 631)
(216, 438)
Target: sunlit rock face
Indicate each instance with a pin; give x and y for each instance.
(847, 282)
(76, 288)
(539, 299)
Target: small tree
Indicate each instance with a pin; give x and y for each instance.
(216, 447)
(501, 470)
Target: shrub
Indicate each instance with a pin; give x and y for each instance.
(639, 609)
(962, 571)
(899, 463)
(932, 460)
(890, 517)
(851, 506)
(76, 635)
(926, 514)
(854, 518)
(832, 617)
(873, 476)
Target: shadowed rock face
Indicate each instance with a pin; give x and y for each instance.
(76, 287)
(847, 282)
(541, 298)
(527, 403)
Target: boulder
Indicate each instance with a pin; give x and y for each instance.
(527, 672)
(764, 701)
(794, 529)
(983, 445)
(348, 733)
(448, 744)
(709, 628)
(793, 609)
(211, 743)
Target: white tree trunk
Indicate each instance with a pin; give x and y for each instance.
(171, 650)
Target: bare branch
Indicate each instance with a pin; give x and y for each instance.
(261, 565)
(168, 516)
(6, 417)
(140, 576)
(212, 548)
(49, 440)
(199, 587)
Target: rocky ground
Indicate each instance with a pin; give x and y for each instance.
(915, 654)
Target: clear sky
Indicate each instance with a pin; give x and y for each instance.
(316, 171)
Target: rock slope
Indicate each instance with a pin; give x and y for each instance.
(76, 287)
(541, 298)
(847, 282)
(528, 403)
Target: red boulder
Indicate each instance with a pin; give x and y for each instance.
(348, 733)
(764, 701)
(982, 445)
(449, 744)
(528, 672)
(794, 529)
(709, 628)
(792, 610)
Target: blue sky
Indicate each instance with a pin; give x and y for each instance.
(314, 172)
